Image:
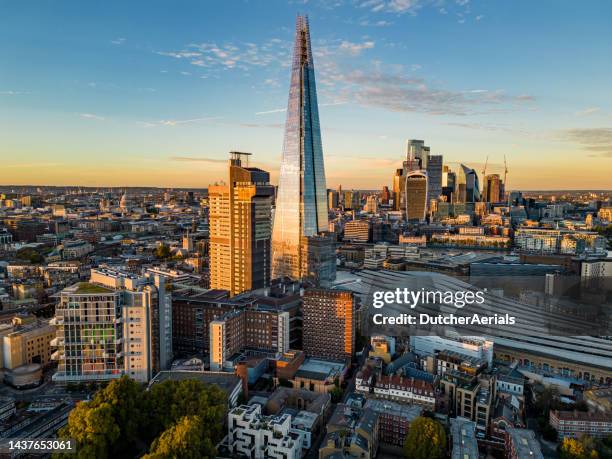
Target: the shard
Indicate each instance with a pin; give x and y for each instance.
(301, 207)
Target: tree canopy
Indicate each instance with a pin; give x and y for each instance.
(123, 419)
(426, 439)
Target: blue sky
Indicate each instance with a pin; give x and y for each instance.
(156, 93)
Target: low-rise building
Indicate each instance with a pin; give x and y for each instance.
(521, 444)
(572, 424)
(254, 435)
(463, 435)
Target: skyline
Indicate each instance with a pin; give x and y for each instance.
(158, 97)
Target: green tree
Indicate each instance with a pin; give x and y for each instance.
(122, 403)
(162, 251)
(93, 428)
(426, 440)
(170, 401)
(183, 440)
(581, 448)
(29, 254)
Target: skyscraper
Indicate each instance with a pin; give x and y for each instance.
(492, 188)
(301, 204)
(240, 217)
(467, 187)
(416, 195)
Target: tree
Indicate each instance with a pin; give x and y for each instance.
(581, 448)
(120, 403)
(426, 440)
(29, 254)
(336, 394)
(169, 401)
(123, 419)
(93, 428)
(162, 251)
(183, 439)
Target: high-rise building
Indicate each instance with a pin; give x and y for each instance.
(117, 323)
(492, 188)
(301, 207)
(416, 195)
(385, 196)
(328, 324)
(240, 218)
(399, 185)
(434, 178)
(417, 149)
(319, 259)
(332, 199)
(467, 186)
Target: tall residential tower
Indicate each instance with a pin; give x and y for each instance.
(240, 215)
(301, 204)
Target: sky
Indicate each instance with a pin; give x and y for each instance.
(156, 93)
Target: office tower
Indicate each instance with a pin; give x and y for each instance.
(434, 178)
(399, 185)
(449, 179)
(467, 187)
(301, 208)
(117, 323)
(416, 195)
(385, 196)
(319, 259)
(240, 217)
(492, 188)
(371, 204)
(417, 149)
(332, 199)
(328, 324)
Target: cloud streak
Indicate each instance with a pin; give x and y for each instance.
(596, 140)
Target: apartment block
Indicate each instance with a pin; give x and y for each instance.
(329, 324)
(253, 435)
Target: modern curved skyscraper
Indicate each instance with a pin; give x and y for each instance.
(301, 204)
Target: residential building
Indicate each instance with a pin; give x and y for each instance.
(329, 324)
(573, 424)
(240, 228)
(254, 435)
(117, 323)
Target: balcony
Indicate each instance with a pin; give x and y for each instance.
(57, 355)
(56, 342)
(56, 321)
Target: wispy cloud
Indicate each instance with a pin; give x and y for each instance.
(172, 123)
(91, 116)
(118, 41)
(13, 93)
(596, 140)
(355, 48)
(401, 92)
(269, 112)
(587, 111)
(191, 159)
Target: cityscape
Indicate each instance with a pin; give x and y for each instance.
(235, 319)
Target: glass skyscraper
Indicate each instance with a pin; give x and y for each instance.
(301, 204)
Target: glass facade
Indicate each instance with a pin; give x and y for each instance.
(301, 204)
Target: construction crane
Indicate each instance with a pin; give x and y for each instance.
(484, 170)
(505, 171)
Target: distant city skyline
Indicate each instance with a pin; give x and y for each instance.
(146, 94)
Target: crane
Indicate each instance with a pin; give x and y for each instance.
(484, 170)
(505, 170)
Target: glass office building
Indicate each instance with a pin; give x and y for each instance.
(301, 204)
